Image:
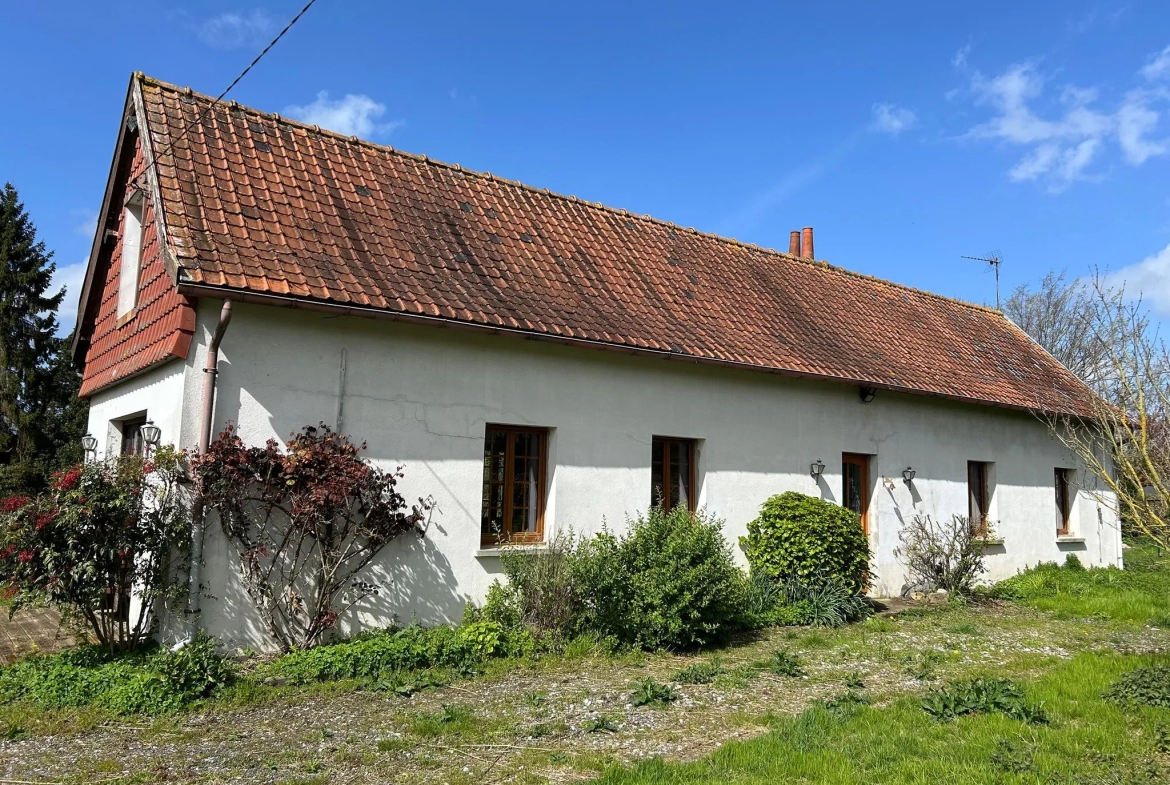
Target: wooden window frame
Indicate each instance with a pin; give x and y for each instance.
(131, 430)
(692, 455)
(1062, 481)
(491, 539)
(861, 460)
(983, 494)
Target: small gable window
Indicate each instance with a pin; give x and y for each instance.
(131, 255)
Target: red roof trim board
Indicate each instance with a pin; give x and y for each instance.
(262, 209)
(162, 323)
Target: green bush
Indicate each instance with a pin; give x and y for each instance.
(669, 582)
(541, 594)
(378, 655)
(195, 670)
(806, 539)
(144, 681)
(1142, 687)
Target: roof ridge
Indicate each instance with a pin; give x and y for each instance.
(187, 92)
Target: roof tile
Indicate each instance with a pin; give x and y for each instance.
(431, 238)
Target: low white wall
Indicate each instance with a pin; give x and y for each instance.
(421, 397)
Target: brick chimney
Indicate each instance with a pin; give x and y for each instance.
(806, 243)
(794, 244)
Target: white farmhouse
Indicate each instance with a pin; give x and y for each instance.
(539, 363)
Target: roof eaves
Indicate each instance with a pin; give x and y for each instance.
(326, 306)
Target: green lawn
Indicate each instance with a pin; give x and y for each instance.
(1086, 741)
(1140, 593)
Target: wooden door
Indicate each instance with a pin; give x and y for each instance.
(855, 485)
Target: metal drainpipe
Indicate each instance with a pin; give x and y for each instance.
(198, 509)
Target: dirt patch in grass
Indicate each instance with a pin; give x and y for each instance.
(559, 719)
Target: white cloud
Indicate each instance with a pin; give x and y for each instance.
(354, 115)
(71, 276)
(1135, 120)
(960, 58)
(1157, 66)
(892, 119)
(1149, 279)
(1067, 136)
(237, 28)
(86, 222)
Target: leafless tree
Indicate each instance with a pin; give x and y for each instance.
(1107, 339)
(1080, 322)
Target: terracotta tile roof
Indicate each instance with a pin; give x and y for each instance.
(162, 323)
(261, 206)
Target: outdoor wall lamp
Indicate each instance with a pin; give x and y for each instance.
(89, 444)
(867, 393)
(816, 470)
(151, 433)
(908, 475)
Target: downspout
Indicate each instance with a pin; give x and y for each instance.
(198, 509)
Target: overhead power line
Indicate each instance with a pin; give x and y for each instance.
(207, 109)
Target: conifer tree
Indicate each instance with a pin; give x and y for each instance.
(40, 415)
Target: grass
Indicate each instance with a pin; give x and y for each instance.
(1139, 594)
(1087, 741)
(855, 716)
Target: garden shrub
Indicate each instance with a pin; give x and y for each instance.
(1149, 686)
(806, 539)
(100, 529)
(542, 593)
(411, 648)
(669, 582)
(942, 554)
(305, 519)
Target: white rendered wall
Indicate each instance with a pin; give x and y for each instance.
(421, 396)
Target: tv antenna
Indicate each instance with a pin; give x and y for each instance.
(994, 260)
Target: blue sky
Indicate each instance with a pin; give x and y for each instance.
(907, 133)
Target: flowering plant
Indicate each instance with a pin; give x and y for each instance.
(102, 534)
(305, 521)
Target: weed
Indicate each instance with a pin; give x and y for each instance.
(738, 677)
(981, 696)
(699, 673)
(784, 663)
(535, 698)
(924, 667)
(600, 724)
(393, 745)
(13, 731)
(1012, 758)
(1142, 687)
(853, 680)
(964, 628)
(846, 704)
(648, 692)
(448, 721)
(1162, 739)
